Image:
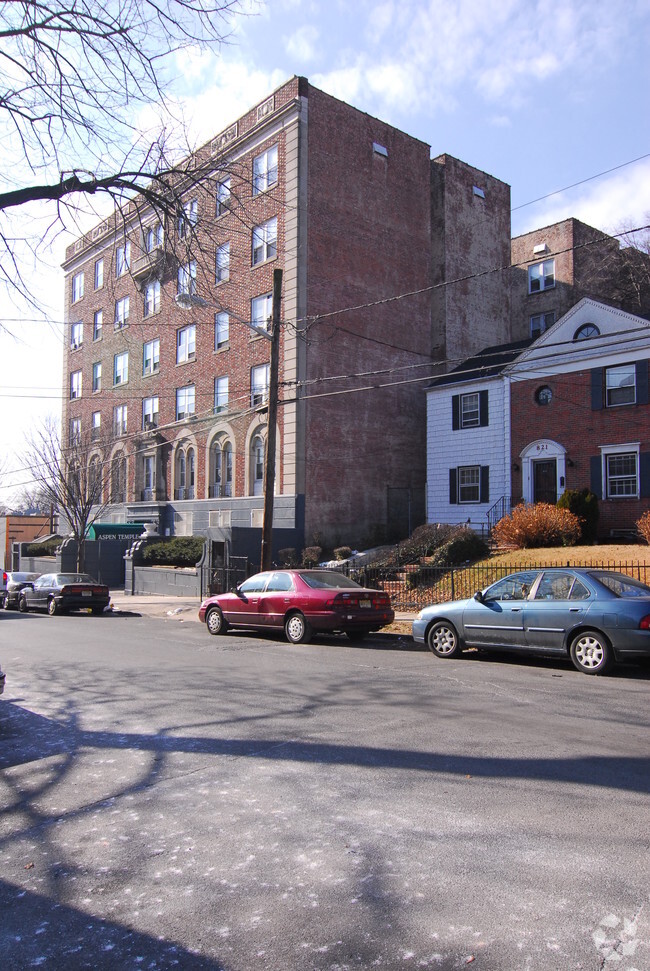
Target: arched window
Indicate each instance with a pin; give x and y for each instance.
(95, 480)
(184, 472)
(221, 469)
(118, 478)
(257, 465)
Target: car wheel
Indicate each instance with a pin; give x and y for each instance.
(443, 640)
(52, 607)
(5, 603)
(356, 635)
(22, 605)
(215, 622)
(297, 630)
(591, 653)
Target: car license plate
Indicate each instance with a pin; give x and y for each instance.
(365, 603)
(86, 593)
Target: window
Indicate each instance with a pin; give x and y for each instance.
(257, 465)
(220, 394)
(95, 479)
(586, 331)
(189, 218)
(541, 276)
(265, 170)
(123, 259)
(77, 287)
(96, 425)
(118, 478)
(121, 368)
(544, 395)
(119, 420)
(151, 356)
(621, 475)
(469, 483)
(184, 402)
(186, 344)
(259, 385)
(148, 476)
(75, 431)
(223, 263)
(153, 238)
(150, 412)
(76, 335)
(540, 323)
(470, 410)
(620, 385)
(223, 197)
(265, 241)
(152, 298)
(98, 324)
(187, 278)
(99, 274)
(221, 460)
(122, 308)
(221, 329)
(75, 385)
(184, 473)
(97, 376)
(262, 311)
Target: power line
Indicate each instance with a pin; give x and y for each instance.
(575, 185)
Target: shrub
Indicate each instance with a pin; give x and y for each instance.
(424, 541)
(288, 557)
(540, 525)
(643, 525)
(311, 556)
(583, 503)
(342, 553)
(464, 545)
(179, 551)
(46, 548)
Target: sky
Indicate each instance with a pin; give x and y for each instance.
(548, 97)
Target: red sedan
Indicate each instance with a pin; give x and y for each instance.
(300, 602)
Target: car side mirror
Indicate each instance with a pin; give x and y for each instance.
(479, 596)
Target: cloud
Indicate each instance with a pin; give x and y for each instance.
(611, 203)
(301, 45)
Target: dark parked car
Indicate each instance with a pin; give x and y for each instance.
(15, 583)
(3, 678)
(300, 602)
(59, 592)
(596, 617)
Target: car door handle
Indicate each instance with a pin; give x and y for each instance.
(515, 610)
(575, 610)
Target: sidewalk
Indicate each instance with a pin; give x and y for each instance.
(184, 609)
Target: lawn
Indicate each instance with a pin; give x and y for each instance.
(607, 553)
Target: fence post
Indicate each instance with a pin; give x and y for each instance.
(453, 592)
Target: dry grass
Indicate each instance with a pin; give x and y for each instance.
(573, 555)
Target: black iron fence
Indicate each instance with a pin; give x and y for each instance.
(225, 578)
(413, 586)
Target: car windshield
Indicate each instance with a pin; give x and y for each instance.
(62, 578)
(319, 579)
(620, 585)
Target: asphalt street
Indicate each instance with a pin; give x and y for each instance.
(171, 799)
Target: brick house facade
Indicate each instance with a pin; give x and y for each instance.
(173, 400)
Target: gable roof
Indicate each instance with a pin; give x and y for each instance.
(488, 363)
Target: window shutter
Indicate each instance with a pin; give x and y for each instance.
(455, 412)
(642, 382)
(596, 475)
(483, 407)
(485, 483)
(644, 475)
(596, 389)
(453, 487)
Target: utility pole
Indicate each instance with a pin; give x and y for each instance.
(269, 454)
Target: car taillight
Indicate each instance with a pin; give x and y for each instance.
(645, 623)
(66, 590)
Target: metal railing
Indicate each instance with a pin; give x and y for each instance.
(413, 586)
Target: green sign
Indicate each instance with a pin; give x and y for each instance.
(115, 530)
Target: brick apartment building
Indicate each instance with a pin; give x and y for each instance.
(555, 266)
(172, 401)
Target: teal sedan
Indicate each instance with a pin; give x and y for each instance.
(595, 617)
